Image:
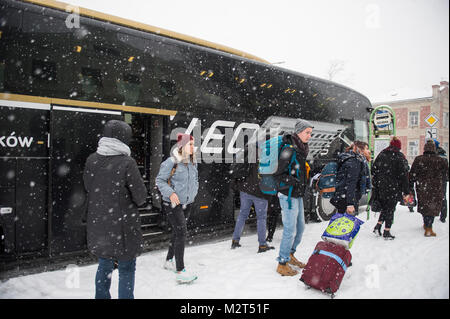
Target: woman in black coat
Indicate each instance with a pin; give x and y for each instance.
(427, 172)
(352, 178)
(390, 184)
(115, 189)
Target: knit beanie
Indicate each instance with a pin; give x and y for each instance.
(183, 139)
(302, 125)
(395, 142)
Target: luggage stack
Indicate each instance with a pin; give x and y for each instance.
(331, 257)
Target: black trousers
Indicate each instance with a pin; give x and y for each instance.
(177, 218)
(387, 213)
(273, 211)
(444, 203)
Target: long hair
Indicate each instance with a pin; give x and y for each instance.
(357, 146)
(183, 155)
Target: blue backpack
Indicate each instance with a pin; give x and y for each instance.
(268, 165)
(327, 180)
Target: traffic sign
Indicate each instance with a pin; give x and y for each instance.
(431, 133)
(431, 119)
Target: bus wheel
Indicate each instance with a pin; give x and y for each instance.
(324, 208)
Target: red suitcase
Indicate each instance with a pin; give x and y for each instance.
(326, 267)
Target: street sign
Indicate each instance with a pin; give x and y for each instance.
(382, 119)
(431, 119)
(431, 133)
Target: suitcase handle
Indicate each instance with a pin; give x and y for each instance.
(334, 256)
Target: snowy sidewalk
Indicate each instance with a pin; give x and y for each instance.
(411, 266)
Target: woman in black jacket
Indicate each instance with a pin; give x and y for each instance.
(115, 189)
(352, 178)
(390, 184)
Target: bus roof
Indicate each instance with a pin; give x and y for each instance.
(144, 27)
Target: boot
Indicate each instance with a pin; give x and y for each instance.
(184, 277)
(377, 229)
(264, 248)
(429, 232)
(235, 243)
(285, 270)
(295, 262)
(387, 235)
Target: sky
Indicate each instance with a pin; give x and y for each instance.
(388, 49)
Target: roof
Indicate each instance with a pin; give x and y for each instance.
(145, 27)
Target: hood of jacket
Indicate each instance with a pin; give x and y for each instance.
(347, 155)
(119, 130)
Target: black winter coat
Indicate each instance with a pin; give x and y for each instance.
(349, 180)
(390, 177)
(246, 180)
(290, 178)
(427, 172)
(115, 190)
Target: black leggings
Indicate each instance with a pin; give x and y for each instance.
(177, 217)
(387, 214)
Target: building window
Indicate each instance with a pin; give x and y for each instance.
(413, 148)
(413, 119)
(445, 120)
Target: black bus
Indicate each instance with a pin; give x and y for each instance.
(65, 72)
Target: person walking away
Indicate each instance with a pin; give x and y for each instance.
(390, 182)
(177, 181)
(427, 172)
(291, 197)
(250, 194)
(115, 189)
(441, 152)
(352, 178)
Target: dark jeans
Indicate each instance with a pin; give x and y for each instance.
(428, 221)
(177, 217)
(127, 271)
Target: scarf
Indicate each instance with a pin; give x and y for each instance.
(302, 147)
(108, 146)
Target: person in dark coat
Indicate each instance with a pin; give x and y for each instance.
(390, 184)
(352, 178)
(441, 152)
(427, 172)
(291, 197)
(248, 186)
(115, 189)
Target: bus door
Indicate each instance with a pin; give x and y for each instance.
(75, 132)
(147, 148)
(24, 149)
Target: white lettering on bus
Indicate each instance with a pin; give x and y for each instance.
(13, 141)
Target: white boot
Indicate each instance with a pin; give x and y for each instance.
(184, 277)
(170, 265)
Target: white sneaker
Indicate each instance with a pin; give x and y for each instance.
(170, 265)
(184, 277)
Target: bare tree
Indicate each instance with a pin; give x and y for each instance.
(335, 67)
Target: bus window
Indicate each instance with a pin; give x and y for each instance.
(361, 131)
(130, 88)
(91, 82)
(44, 71)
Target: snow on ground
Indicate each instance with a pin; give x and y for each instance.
(411, 266)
